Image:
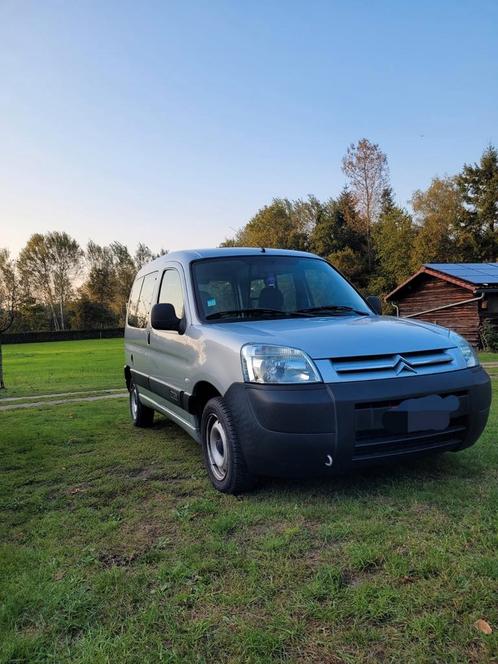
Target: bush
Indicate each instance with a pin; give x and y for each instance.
(489, 336)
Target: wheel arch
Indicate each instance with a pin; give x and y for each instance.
(203, 391)
(127, 375)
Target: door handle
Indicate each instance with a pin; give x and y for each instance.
(148, 337)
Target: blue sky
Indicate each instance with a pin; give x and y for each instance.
(171, 123)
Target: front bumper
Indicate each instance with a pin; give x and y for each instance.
(294, 430)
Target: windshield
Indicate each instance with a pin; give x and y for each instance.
(267, 286)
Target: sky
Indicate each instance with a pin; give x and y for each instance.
(172, 123)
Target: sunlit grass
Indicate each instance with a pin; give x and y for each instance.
(62, 366)
(115, 548)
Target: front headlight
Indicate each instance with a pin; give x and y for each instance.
(469, 354)
(277, 364)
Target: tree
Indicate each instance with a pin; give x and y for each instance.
(478, 185)
(337, 236)
(65, 257)
(306, 214)
(365, 167)
(111, 271)
(101, 282)
(438, 211)
(35, 268)
(8, 289)
(393, 237)
(124, 271)
(89, 314)
(143, 255)
(48, 264)
(274, 225)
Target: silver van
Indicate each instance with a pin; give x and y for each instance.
(276, 365)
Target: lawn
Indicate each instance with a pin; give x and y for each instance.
(114, 548)
(62, 366)
(488, 357)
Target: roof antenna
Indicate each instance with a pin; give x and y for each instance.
(263, 250)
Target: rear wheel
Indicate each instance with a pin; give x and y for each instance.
(222, 454)
(142, 416)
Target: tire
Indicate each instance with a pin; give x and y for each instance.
(223, 456)
(142, 416)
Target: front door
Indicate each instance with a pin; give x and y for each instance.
(171, 353)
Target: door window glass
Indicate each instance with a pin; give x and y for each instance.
(133, 302)
(145, 299)
(172, 292)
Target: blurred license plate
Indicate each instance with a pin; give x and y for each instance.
(430, 413)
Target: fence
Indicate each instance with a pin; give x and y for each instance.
(65, 335)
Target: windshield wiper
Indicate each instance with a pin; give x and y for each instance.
(256, 311)
(333, 308)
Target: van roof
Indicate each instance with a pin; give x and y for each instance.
(186, 256)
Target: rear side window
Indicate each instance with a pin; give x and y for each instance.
(133, 302)
(171, 291)
(141, 316)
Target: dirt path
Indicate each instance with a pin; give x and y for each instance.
(59, 394)
(77, 397)
(62, 402)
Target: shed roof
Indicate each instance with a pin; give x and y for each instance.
(474, 273)
(467, 275)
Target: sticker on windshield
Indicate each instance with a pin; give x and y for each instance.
(211, 302)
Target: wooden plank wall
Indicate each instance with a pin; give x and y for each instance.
(429, 292)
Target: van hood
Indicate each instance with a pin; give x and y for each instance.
(343, 336)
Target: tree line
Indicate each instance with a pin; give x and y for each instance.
(371, 238)
(55, 284)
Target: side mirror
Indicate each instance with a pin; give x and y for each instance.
(375, 303)
(163, 317)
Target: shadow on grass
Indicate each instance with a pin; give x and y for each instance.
(413, 473)
(416, 472)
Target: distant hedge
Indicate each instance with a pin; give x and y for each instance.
(66, 335)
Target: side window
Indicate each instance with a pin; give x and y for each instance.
(171, 291)
(133, 302)
(145, 299)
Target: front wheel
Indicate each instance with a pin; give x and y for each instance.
(222, 454)
(141, 415)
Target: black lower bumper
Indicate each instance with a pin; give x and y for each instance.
(324, 428)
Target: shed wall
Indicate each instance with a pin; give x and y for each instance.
(429, 292)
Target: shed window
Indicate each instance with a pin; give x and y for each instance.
(493, 303)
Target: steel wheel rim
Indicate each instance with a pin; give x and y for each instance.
(217, 448)
(134, 403)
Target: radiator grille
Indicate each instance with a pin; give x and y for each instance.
(392, 365)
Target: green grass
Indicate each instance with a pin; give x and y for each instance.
(115, 548)
(488, 357)
(62, 366)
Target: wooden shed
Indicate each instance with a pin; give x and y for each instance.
(457, 295)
